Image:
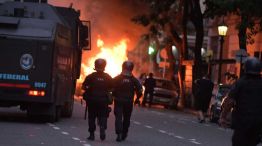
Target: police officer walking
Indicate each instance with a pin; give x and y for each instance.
(98, 85)
(245, 98)
(149, 84)
(125, 86)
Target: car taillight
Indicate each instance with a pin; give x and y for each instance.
(36, 93)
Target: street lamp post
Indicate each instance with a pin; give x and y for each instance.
(222, 31)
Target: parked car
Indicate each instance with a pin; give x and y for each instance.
(165, 93)
(216, 104)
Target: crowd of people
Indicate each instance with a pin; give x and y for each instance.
(244, 98)
(100, 89)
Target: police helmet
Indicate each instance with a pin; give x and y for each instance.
(100, 64)
(127, 68)
(252, 66)
(151, 75)
(128, 65)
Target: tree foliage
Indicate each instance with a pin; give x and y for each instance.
(158, 16)
(249, 12)
(169, 19)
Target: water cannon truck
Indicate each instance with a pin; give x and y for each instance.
(41, 47)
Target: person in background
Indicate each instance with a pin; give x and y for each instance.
(125, 86)
(149, 84)
(203, 94)
(98, 85)
(245, 98)
(141, 79)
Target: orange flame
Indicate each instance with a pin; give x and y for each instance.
(114, 57)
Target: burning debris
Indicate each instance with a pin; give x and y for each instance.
(114, 56)
(110, 20)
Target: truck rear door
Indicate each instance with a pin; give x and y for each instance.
(25, 70)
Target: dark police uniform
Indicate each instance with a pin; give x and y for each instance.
(204, 88)
(124, 88)
(245, 98)
(247, 112)
(99, 85)
(149, 84)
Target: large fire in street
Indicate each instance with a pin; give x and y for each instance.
(114, 35)
(114, 57)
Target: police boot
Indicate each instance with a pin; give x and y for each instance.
(124, 135)
(118, 138)
(92, 136)
(102, 133)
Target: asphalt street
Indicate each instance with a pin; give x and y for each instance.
(154, 126)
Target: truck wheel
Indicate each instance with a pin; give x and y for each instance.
(56, 115)
(68, 109)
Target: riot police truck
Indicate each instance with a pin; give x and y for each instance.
(40, 57)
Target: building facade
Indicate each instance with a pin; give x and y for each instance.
(230, 47)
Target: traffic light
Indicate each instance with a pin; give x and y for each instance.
(152, 48)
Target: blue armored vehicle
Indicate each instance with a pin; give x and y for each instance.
(40, 57)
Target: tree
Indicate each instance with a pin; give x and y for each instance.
(169, 20)
(196, 18)
(249, 13)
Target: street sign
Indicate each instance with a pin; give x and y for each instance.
(241, 55)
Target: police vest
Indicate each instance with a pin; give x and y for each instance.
(99, 86)
(125, 87)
